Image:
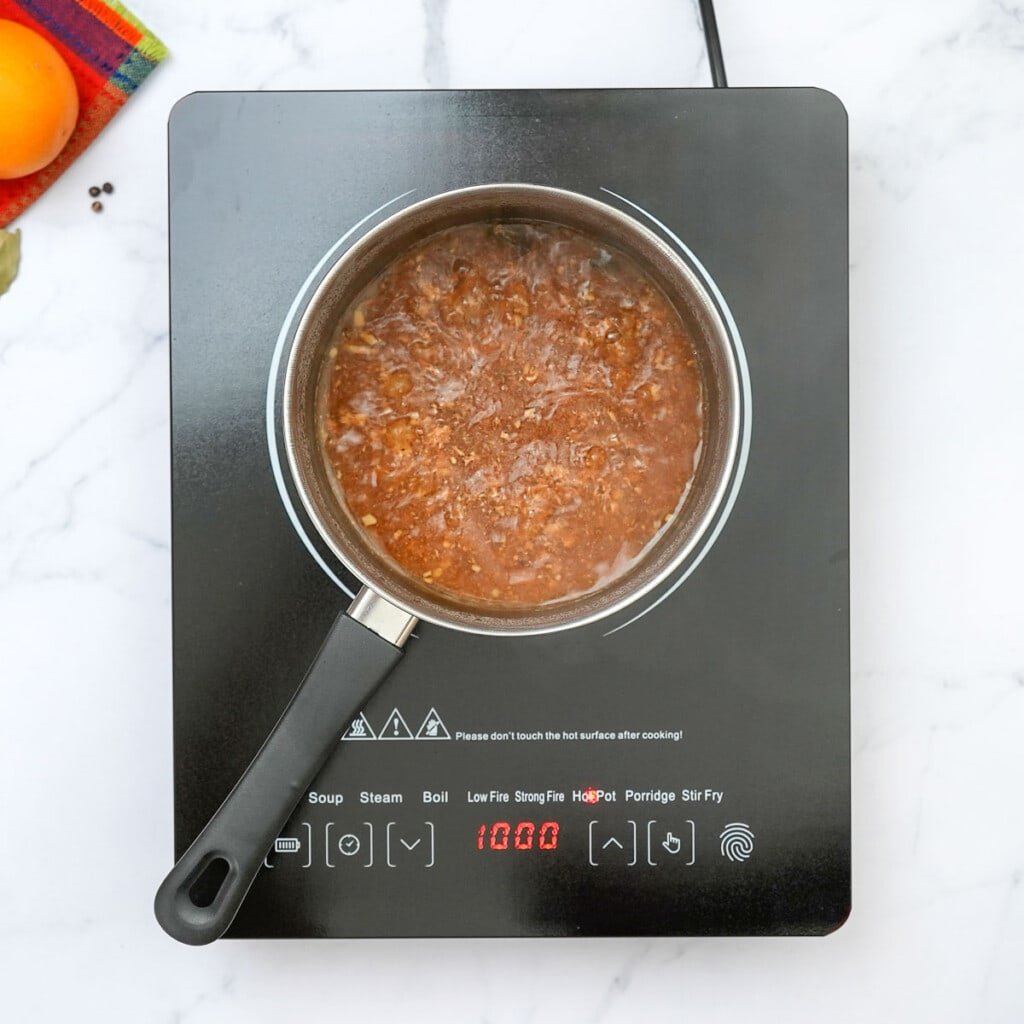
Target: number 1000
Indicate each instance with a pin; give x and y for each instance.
(524, 836)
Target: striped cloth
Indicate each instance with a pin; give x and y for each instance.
(110, 53)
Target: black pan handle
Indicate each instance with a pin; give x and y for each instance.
(200, 897)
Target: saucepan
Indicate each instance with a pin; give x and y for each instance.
(199, 898)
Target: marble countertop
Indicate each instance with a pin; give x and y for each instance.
(935, 92)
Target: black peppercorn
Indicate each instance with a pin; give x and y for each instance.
(94, 191)
(107, 187)
(97, 207)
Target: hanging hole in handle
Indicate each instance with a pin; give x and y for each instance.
(203, 891)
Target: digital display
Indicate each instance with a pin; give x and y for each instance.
(523, 835)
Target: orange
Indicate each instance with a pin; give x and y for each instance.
(38, 101)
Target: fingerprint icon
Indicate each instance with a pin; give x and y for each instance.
(737, 841)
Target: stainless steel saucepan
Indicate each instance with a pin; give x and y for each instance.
(201, 895)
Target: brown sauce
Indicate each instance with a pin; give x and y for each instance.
(512, 412)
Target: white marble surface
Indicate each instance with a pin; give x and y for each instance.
(935, 91)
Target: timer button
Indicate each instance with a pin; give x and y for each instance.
(612, 844)
(410, 844)
(349, 844)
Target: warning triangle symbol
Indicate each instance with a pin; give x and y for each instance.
(359, 729)
(433, 728)
(395, 728)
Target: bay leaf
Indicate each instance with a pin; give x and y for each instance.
(10, 257)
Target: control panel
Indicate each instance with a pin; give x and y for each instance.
(409, 839)
(433, 829)
(598, 826)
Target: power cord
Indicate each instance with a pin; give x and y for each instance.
(714, 44)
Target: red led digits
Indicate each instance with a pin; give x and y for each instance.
(548, 838)
(525, 836)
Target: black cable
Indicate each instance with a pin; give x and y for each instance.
(714, 44)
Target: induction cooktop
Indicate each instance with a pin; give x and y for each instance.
(680, 769)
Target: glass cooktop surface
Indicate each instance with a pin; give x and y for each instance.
(680, 769)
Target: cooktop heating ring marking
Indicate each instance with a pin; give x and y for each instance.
(746, 406)
(741, 359)
(275, 364)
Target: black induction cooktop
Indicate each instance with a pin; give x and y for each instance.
(681, 769)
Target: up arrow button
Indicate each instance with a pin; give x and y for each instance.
(612, 845)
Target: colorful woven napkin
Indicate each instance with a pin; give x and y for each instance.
(110, 53)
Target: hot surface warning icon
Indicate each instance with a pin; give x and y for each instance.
(395, 728)
(433, 728)
(359, 729)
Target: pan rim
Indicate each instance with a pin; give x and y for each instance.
(738, 398)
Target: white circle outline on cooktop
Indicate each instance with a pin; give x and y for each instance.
(741, 359)
(275, 364)
(746, 405)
